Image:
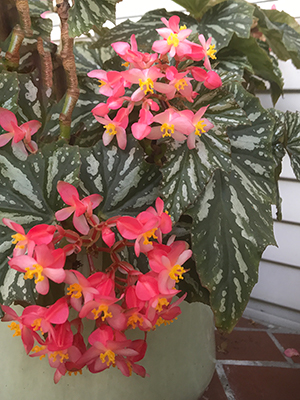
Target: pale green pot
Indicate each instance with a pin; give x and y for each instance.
(180, 360)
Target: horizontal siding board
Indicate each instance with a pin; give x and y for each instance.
(290, 101)
(274, 289)
(288, 240)
(290, 194)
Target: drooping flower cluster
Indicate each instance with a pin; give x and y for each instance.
(154, 84)
(116, 296)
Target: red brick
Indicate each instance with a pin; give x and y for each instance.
(263, 383)
(247, 345)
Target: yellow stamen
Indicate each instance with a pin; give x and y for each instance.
(111, 129)
(166, 322)
(211, 52)
(133, 319)
(129, 367)
(15, 327)
(36, 272)
(74, 290)
(180, 85)
(98, 311)
(182, 27)
(147, 235)
(161, 302)
(60, 354)
(101, 82)
(110, 357)
(125, 64)
(147, 85)
(173, 40)
(176, 273)
(37, 325)
(168, 129)
(75, 372)
(18, 238)
(36, 349)
(200, 127)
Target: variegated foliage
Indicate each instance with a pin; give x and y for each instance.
(225, 185)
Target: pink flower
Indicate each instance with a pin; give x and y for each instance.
(145, 78)
(209, 50)
(142, 128)
(70, 196)
(110, 82)
(178, 82)
(132, 56)
(39, 234)
(201, 125)
(167, 262)
(210, 79)
(20, 135)
(141, 228)
(47, 264)
(172, 125)
(42, 319)
(174, 41)
(105, 346)
(27, 334)
(116, 127)
(80, 290)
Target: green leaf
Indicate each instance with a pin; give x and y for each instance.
(282, 37)
(282, 18)
(233, 61)
(259, 59)
(37, 7)
(228, 250)
(292, 125)
(83, 120)
(86, 13)
(29, 197)
(223, 109)
(225, 19)
(9, 91)
(127, 183)
(86, 58)
(194, 7)
(186, 171)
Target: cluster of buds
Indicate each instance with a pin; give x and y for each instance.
(117, 297)
(159, 83)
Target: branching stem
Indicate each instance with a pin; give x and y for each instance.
(68, 61)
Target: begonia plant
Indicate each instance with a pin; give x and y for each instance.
(137, 170)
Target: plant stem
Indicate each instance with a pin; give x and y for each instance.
(23, 9)
(47, 67)
(68, 61)
(12, 55)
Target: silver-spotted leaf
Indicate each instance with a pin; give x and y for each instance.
(86, 13)
(225, 19)
(186, 171)
(9, 90)
(232, 221)
(126, 181)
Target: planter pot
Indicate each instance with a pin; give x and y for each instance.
(180, 360)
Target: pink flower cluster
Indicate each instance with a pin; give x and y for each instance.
(155, 83)
(117, 297)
